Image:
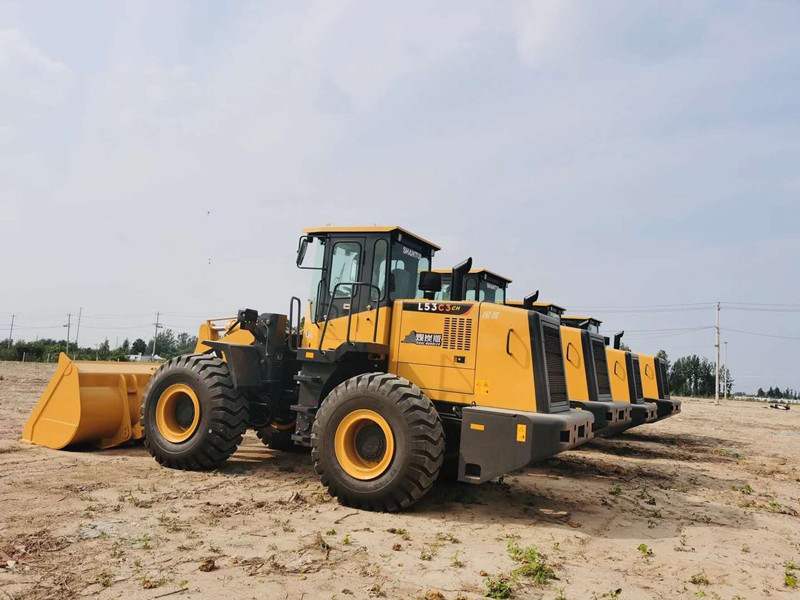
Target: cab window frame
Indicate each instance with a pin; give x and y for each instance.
(360, 258)
(396, 253)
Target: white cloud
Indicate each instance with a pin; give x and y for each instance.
(28, 74)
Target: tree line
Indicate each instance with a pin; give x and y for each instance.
(168, 345)
(695, 376)
(787, 394)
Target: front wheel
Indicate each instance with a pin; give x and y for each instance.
(192, 416)
(377, 442)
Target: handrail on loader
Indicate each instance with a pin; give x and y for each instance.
(354, 284)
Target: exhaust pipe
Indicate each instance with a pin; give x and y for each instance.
(617, 339)
(457, 284)
(529, 300)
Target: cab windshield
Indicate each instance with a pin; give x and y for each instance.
(407, 263)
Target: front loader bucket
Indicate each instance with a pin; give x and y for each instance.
(90, 403)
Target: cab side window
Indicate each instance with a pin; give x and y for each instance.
(379, 259)
(345, 263)
(406, 265)
(444, 293)
(471, 292)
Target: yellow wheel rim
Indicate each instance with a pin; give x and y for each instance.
(364, 444)
(177, 413)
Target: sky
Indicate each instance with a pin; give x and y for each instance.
(634, 160)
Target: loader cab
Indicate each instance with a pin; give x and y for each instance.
(581, 322)
(358, 272)
(544, 308)
(480, 285)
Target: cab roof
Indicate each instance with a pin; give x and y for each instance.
(487, 271)
(368, 229)
(581, 318)
(539, 304)
(549, 305)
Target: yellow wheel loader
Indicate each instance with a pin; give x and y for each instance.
(377, 382)
(587, 375)
(582, 345)
(655, 385)
(626, 385)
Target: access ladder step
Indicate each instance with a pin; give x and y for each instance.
(308, 378)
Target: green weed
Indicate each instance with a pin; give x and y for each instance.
(533, 566)
(500, 586)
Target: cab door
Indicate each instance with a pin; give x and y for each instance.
(341, 300)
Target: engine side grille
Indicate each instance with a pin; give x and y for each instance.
(637, 378)
(457, 334)
(601, 367)
(664, 378)
(554, 360)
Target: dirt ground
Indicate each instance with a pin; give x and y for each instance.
(702, 505)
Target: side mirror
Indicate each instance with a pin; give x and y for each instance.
(301, 250)
(430, 281)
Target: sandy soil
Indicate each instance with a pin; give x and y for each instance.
(702, 505)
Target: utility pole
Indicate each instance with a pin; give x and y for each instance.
(78, 330)
(69, 321)
(726, 370)
(11, 333)
(716, 368)
(155, 337)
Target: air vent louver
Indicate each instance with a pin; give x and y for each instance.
(601, 367)
(457, 334)
(554, 360)
(637, 378)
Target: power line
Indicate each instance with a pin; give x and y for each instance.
(775, 310)
(655, 305)
(640, 310)
(670, 329)
(761, 304)
(769, 335)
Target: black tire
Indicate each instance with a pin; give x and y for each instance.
(221, 423)
(417, 434)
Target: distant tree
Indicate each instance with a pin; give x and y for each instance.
(185, 344)
(165, 343)
(760, 393)
(662, 354)
(139, 346)
(722, 371)
(694, 376)
(126, 346)
(103, 351)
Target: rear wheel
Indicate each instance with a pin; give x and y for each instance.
(192, 416)
(377, 442)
